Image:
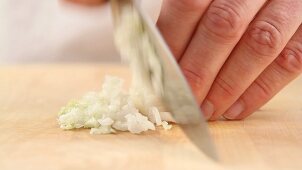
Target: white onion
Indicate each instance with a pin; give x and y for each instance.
(109, 110)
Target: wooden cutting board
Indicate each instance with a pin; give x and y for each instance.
(31, 96)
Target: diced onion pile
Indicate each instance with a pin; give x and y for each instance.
(109, 111)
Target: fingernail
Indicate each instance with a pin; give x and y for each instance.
(234, 111)
(208, 109)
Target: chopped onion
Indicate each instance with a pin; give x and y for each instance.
(109, 110)
(155, 116)
(102, 130)
(165, 125)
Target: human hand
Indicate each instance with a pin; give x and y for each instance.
(235, 54)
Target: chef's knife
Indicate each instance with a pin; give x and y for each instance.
(165, 77)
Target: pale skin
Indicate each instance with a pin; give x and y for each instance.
(235, 54)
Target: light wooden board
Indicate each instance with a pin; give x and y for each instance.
(31, 95)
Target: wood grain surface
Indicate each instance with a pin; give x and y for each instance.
(30, 138)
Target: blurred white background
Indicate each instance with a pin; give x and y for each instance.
(56, 31)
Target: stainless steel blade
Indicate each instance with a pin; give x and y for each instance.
(169, 82)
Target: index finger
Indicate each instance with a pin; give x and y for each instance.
(177, 22)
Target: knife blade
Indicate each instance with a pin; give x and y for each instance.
(157, 69)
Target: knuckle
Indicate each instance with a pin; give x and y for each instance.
(290, 59)
(223, 20)
(225, 87)
(198, 82)
(194, 77)
(264, 38)
(264, 89)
